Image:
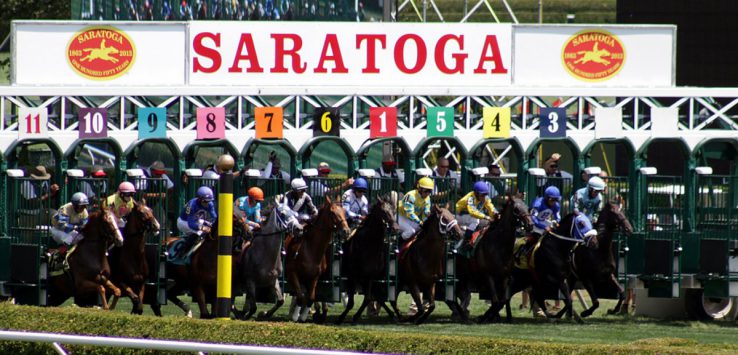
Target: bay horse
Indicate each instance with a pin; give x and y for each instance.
(130, 269)
(200, 276)
(305, 260)
(365, 256)
(596, 268)
(89, 271)
(490, 266)
(421, 265)
(261, 266)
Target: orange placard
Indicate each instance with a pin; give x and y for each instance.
(269, 122)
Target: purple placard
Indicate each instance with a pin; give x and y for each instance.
(93, 123)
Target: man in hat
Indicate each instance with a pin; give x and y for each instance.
(389, 169)
(96, 187)
(321, 187)
(36, 192)
(273, 169)
(496, 182)
(560, 179)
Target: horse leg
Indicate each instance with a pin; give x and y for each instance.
(309, 300)
(368, 298)
(350, 304)
(182, 305)
(199, 293)
(251, 299)
(140, 306)
(388, 310)
(114, 302)
(592, 295)
(415, 294)
(297, 297)
(621, 295)
(280, 301)
(431, 306)
(491, 312)
(101, 291)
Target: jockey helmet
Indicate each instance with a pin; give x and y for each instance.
(481, 187)
(299, 184)
(256, 194)
(205, 193)
(425, 183)
(80, 199)
(552, 192)
(596, 183)
(360, 184)
(126, 186)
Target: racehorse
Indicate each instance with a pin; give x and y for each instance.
(596, 268)
(261, 266)
(305, 262)
(491, 264)
(421, 265)
(130, 270)
(365, 256)
(200, 275)
(89, 271)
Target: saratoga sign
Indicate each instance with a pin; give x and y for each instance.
(345, 54)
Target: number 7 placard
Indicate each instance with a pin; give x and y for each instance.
(269, 122)
(383, 122)
(33, 122)
(496, 122)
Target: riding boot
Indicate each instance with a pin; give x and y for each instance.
(467, 237)
(187, 245)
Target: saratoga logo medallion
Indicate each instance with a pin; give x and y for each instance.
(101, 52)
(593, 55)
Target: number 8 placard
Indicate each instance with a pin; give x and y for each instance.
(553, 122)
(152, 122)
(210, 122)
(269, 122)
(33, 122)
(93, 123)
(496, 122)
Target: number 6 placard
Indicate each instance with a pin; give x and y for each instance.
(327, 122)
(383, 122)
(553, 122)
(33, 122)
(152, 122)
(210, 122)
(93, 123)
(269, 122)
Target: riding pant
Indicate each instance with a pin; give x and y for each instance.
(408, 227)
(184, 227)
(292, 219)
(468, 221)
(70, 238)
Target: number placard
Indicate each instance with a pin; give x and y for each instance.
(210, 122)
(269, 122)
(152, 122)
(93, 123)
(326, 122)
(553, 122)
(440, 122)
(33, 122)
(496, 122)
(382, 122)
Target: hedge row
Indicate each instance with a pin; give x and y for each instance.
(97, 322)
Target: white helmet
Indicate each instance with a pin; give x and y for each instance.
(299, 184)
(596, 183)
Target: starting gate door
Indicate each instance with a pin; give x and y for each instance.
(96, 189)
(196, 179)
(617, 191)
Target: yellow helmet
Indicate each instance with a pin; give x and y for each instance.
(425, 183)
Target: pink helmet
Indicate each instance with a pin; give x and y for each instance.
(126, 186)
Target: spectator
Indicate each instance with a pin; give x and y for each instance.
(561, 179)
(273, 169)
(443, 170)
(96, 188)
(155, 189)
(36, 192)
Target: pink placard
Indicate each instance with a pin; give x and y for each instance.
(210, 122)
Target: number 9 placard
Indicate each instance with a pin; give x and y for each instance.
(326, 122)
(269, 122)
(152, 122)
(496, 122)
(553, 122)
(93, 123)
(210, 122)
(33, 122)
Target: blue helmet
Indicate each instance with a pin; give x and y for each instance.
(481, 187)
(552, 192)
(205, 193)
(360, 184)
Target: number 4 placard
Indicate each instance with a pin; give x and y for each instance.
(210, 122)
(33, 122)
(269, 122)
(383, 122)
(496, 122)
(553, 122)
(93, 123)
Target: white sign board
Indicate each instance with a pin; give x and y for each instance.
(96, 53)
(346, 54)
(33, 122)
(608, 122)
(575, 55)
(665, 122)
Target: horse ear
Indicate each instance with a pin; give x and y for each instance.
(143, 201)
(328, 200)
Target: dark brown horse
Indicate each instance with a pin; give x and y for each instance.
(89, 271)
(491, 265)
(596, 268)
(305, 261)
(200, 275)
(422, 264)
(130, 269)
(365, 256)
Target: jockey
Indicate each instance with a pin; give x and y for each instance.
(297, 206)
(355, 202)
(197, 218)
(69, 220)
(472, 207)
(588, 200)
(415, 208)
(545, 211)
(121, 203)
(250, 207)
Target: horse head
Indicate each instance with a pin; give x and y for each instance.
(612, 217)
(337, 216)
(581, 229)
(384, 209)
(103, 225)
(240, 228)
(447, 224)
(521, 213)
(141, 218)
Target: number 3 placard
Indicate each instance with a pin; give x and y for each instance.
(33, 122)
(383, 122)
(269, 122)
(152, 122)
(496, 122)
(553, 122)
(210, 122)
(93, 123)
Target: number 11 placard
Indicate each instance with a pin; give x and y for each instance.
(33, 122)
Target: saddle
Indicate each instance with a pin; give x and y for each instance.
(524, 258)
(58, 260)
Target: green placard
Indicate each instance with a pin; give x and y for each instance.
(440, 122)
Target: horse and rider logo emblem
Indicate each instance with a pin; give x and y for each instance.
(593, 55)
(101, 52)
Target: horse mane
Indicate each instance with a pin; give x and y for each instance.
(564, 227)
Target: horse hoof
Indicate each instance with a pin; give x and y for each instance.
(587, 313)
(188, 314)
(262, 315)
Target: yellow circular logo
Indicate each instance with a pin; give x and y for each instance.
(593, 55)
(101, 53)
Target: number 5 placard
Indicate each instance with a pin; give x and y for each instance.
(93, 123)
(496, 122)
(210, 122)
(383, 122)
(440, 122)
(269, 122)
(553, 122)
(152, 122)
(33, 122)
